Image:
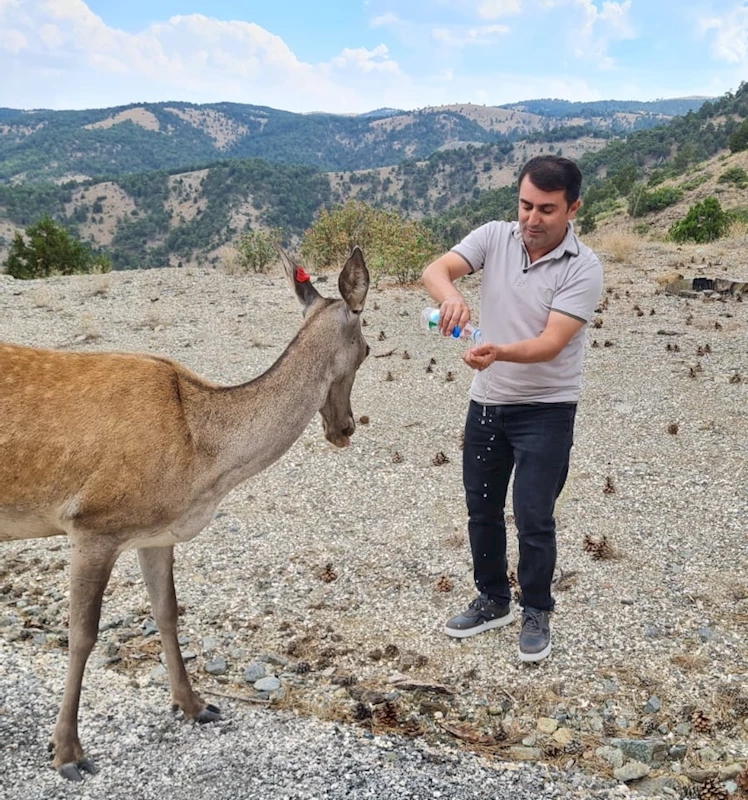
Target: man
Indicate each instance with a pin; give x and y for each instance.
(539, 288)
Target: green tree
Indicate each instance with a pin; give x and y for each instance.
(739, 138)
(391, 245)
(257, 249)
(46, 248)
(704, 222)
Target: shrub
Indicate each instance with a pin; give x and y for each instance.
(257, 250)
(704, 222)
(46, 248)
(736, 175)
(391, 245)
(739, 138)
(641, 201)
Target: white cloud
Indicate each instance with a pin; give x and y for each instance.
(492, 9)
(366, 61)
(463, 37)
(729, 34)
(385, 20)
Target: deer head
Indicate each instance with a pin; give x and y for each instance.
(343, 321)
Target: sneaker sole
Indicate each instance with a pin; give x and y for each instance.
(539, 656)
(500, 622)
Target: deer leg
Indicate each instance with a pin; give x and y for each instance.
(89, 575)
(156, 565)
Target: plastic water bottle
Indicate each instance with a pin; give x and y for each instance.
(430, 322)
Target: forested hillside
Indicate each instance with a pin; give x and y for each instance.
(173, 215)
(54, 145)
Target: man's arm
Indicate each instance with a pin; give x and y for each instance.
(438, 278)
(557, 334)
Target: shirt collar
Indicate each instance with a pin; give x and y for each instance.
(569, 244)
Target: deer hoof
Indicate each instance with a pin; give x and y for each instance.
(209, 714)
(74, 772)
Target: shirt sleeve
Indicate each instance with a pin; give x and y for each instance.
(474, 246)
(580, 293)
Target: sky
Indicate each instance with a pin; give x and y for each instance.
(353, 56)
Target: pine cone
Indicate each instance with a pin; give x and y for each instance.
(701, 721)
(648, 725)
(552, 749)
(361, 712)
(439, 459)
(328, 574)
(573, 747)
(610, 728)
(385, 715)
(303, 667)
(443, 584)
(712, 789)
(741, 705)
(600, 550)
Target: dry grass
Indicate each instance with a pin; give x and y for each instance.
(89, 330)
(620, 245)
(101, 285)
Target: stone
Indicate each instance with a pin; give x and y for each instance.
(519, 753)
(631, 771)
(269, 684)
(612, 755)
(653, 705)
(563, 736)
(254, 672)
(547, 725)
(646, 751)
(216, 666)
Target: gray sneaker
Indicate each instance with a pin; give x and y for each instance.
(535, 636)
(482, 614)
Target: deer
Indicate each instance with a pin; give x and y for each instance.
(123, 451)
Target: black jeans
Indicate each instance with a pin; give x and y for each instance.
(535, 440)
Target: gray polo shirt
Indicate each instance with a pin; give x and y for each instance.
(516, 298)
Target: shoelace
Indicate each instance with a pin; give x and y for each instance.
(533, 621)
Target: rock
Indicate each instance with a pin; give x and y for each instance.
(646, 751)
(269, 684)
(519, 753)
(269, 658)
(631, 771)
(254, 672)
(653, 705)
(216, 666)
(547, 725)
(730, 771)
(612, 755)
(563, 736)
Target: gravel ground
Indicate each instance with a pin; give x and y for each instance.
(329, 576)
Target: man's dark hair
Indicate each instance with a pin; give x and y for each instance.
(551, 173)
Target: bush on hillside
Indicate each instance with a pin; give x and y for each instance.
(391, 245)
(739, 138)
(736, 175)
(46, 248)
(257, 249)
(642, 202)
(704, 222)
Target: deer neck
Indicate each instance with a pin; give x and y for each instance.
(240, 430)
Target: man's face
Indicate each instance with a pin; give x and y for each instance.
(543, 217)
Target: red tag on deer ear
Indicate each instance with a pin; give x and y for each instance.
(301, 276)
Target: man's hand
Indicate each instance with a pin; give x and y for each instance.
(453, 311)
(481, 356)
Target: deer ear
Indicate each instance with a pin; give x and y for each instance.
(354, 281)
(299, 280)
